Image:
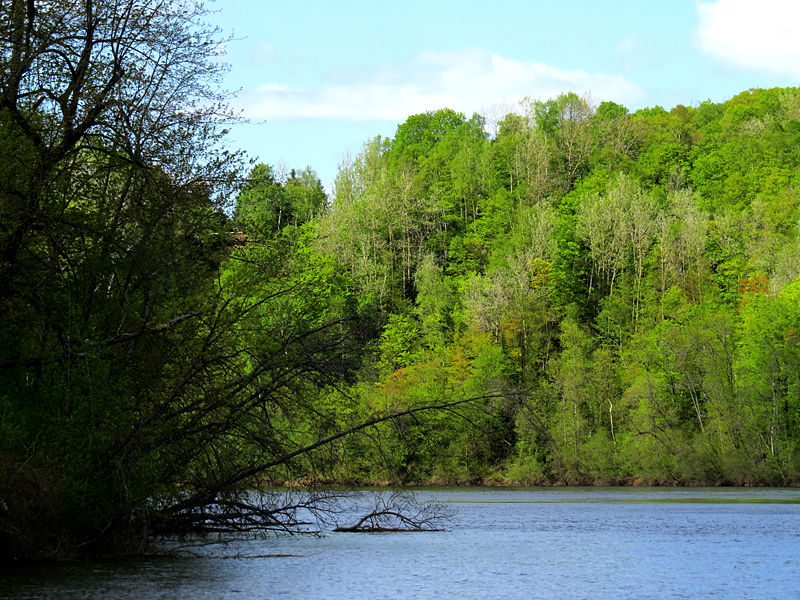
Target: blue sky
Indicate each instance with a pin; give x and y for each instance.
(318, 78)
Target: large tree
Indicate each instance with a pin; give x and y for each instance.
(153, 370)
(111, 214)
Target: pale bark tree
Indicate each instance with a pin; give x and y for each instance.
(532, 167)
(575, 139)
(641, 211)
(621, 133)
(485, 300)
(602, 225)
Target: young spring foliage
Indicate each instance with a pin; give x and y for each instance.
(584, 295)
(633, 271)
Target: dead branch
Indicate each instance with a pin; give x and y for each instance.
(400, 511)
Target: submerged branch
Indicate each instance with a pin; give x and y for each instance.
(398, 512)
(208, 496)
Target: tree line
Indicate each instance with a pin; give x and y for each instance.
(628, 280)
(573, 294)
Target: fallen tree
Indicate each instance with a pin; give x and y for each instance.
(399, 512)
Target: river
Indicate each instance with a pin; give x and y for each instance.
(570, 543)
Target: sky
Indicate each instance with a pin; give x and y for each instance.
(316, 79)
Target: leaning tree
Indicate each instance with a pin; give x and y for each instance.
(152, 371)
(112, 182)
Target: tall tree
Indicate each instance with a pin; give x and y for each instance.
(566, 120)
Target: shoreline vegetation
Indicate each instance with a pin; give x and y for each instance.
(571, 293)
(500, 481)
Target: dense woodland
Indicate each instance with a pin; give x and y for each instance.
(565, 293)
(626, 283)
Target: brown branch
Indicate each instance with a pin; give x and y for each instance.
(208, 496)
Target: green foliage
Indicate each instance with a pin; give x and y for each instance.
(399, 343)
(420, 133)
(610, 110)
(266, 205)
(656, 111)
(588, 297)
(610, 261)
(434, 303)
(551, 115)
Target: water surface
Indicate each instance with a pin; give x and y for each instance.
(592, 543)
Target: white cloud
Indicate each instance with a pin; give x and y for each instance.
(627, 45)
(763, 35)
(463, 80)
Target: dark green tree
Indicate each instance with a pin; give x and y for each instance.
(422, 132)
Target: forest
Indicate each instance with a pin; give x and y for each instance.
(624, 284)
(565, 292)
